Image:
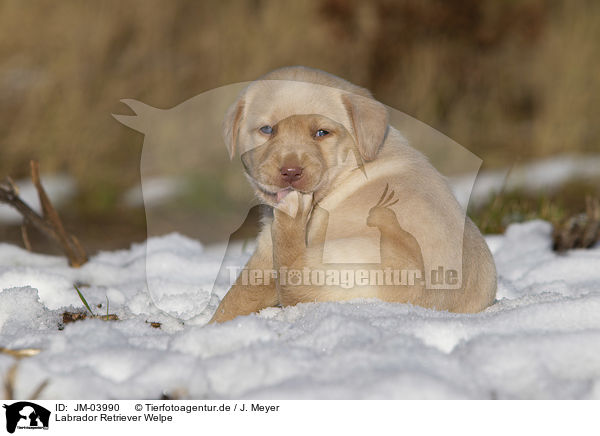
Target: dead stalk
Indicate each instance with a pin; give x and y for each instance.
(49, 223)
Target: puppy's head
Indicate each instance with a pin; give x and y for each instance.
(261, 126)
(303, 153)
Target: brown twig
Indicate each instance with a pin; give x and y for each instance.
(25, 237)
(10, 378)
(579, 231)
(10, 381)
(49, 223)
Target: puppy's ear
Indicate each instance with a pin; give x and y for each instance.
(370, 122)
(231, 125)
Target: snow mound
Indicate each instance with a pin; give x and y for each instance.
(539, 340)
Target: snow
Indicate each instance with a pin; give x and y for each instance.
(544, 175)
(156, 191)
(60, 188)
(537, 176)
(541, 339)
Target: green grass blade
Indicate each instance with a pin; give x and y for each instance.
(85, 303)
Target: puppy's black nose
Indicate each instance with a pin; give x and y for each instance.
(291, 174)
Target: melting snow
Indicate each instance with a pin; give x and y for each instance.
(540, 340)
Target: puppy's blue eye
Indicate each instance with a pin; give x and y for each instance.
(267, 130)
(321, 132)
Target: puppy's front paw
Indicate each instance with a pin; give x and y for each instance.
(290, 220)
(295, 207)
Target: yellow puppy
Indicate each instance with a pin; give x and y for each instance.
(357, 212)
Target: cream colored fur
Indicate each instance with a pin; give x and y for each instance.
(331, 219)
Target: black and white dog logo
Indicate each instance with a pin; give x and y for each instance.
(26, 415)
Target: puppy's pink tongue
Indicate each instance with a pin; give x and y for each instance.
(282, 193)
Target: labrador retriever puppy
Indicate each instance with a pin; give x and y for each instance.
(356, 212)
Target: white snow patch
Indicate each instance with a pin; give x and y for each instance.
(540, 339)
(59, 187)
(543, 175)
(156, 192)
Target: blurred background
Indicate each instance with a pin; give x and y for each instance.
(516, 82)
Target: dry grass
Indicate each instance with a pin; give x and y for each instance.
(556, 207)
(508, 80)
